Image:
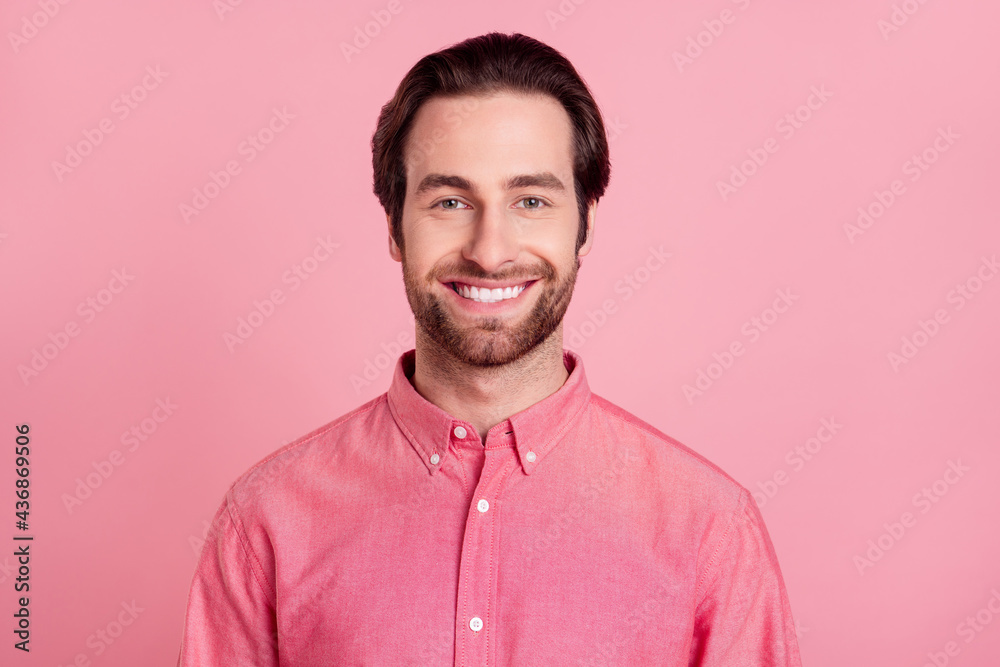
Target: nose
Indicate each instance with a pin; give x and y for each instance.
(494, 239)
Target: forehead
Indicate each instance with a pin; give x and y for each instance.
(489, 138)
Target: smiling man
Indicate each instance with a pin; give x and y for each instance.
(490, 220)
(489, 509)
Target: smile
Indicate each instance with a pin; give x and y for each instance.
(486, 295)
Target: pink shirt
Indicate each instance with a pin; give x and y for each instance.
(578, 535)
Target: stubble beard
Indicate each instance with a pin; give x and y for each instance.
(490, 341)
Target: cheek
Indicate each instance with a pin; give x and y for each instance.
(431, 243)
(555, 232)
(555, 247)
(424, 255)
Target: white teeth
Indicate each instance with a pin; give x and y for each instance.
(483, 295)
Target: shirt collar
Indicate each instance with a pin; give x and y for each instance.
(537, 428)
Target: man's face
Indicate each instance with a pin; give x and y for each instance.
(490, 204)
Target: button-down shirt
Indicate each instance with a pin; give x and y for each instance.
(577, 534)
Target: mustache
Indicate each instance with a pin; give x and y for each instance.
(473, 272)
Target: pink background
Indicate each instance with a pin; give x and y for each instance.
(676, 132)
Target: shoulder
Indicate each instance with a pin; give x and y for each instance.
(293, 464)
(670, 466)
(697, 500)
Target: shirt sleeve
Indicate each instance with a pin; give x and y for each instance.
(230, 614)
(744, 617)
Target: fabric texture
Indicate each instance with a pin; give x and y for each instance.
(576, 535)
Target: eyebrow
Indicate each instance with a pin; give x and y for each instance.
(544, 179)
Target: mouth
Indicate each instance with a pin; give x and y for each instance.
(483, 294)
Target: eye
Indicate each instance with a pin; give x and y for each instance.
(533, 203)
(451, 204)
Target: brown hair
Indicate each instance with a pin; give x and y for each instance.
(484, 65)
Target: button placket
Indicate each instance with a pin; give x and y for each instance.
(479, 561)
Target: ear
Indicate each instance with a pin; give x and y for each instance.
(591, 219)
(394, 250)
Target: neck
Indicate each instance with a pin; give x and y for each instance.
(486, 396)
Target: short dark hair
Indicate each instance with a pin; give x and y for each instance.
(484, 65)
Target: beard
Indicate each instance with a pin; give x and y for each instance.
(491, 341)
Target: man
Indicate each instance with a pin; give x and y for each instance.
(488, 509)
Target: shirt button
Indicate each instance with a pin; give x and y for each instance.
(530, 457)
(435, 459)
(483, 505)
(460, 432)
(476, 624)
